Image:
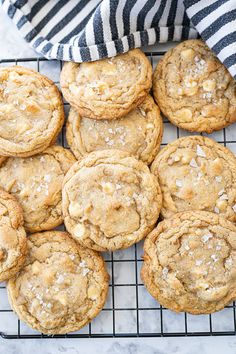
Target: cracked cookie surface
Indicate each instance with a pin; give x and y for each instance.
(110, 200)
(190, 262)
(139, 132)
(13, 246)
(62, 285)
(36, 182)
(197, 173)
(108, 88)
(193, 88)
(31, 112)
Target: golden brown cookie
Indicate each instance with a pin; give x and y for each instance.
(13, 245)
(108, 88)
(31, 112)
(190, 262)
(110, 200)
(36, 182)
(139, 132)
(62, 286)
(196, 173)
(193, 88)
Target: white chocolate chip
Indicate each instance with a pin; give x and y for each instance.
(184, 114)
(75, 210)
(79, 230)
(108, 188)
(209, 85)
(234, 208)
(187, 54)
(149, 126)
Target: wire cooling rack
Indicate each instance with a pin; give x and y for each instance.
(129, 311)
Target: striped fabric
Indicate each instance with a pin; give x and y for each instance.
(87, 30)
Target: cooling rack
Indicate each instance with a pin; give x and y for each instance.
(129, 311)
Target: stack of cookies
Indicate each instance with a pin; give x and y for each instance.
(111, 187)
(190, 257)
(110, 198)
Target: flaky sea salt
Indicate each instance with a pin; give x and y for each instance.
(200, 152)
(218, 179)
(215, 259)
(83, 264)
(60, 279)
(193, 163)
(47, 178)
(224, 197)
(198, 262)
(165, 271)
(206, 237)
(85, 271)
(221, 192)
(229, 262)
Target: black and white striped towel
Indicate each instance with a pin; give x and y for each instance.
(87, 30)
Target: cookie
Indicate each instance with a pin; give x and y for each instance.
(62, 285)
(139, 132)
(193, 88)
(110, 200)
(108, 88)
(13, 245)
(36, 182)
(31, 112)
(196, 173)
(190, 262)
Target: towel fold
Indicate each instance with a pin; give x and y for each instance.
(88, 30)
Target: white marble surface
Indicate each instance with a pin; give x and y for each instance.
(12, 46)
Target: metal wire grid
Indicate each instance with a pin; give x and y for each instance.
(130, 311)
